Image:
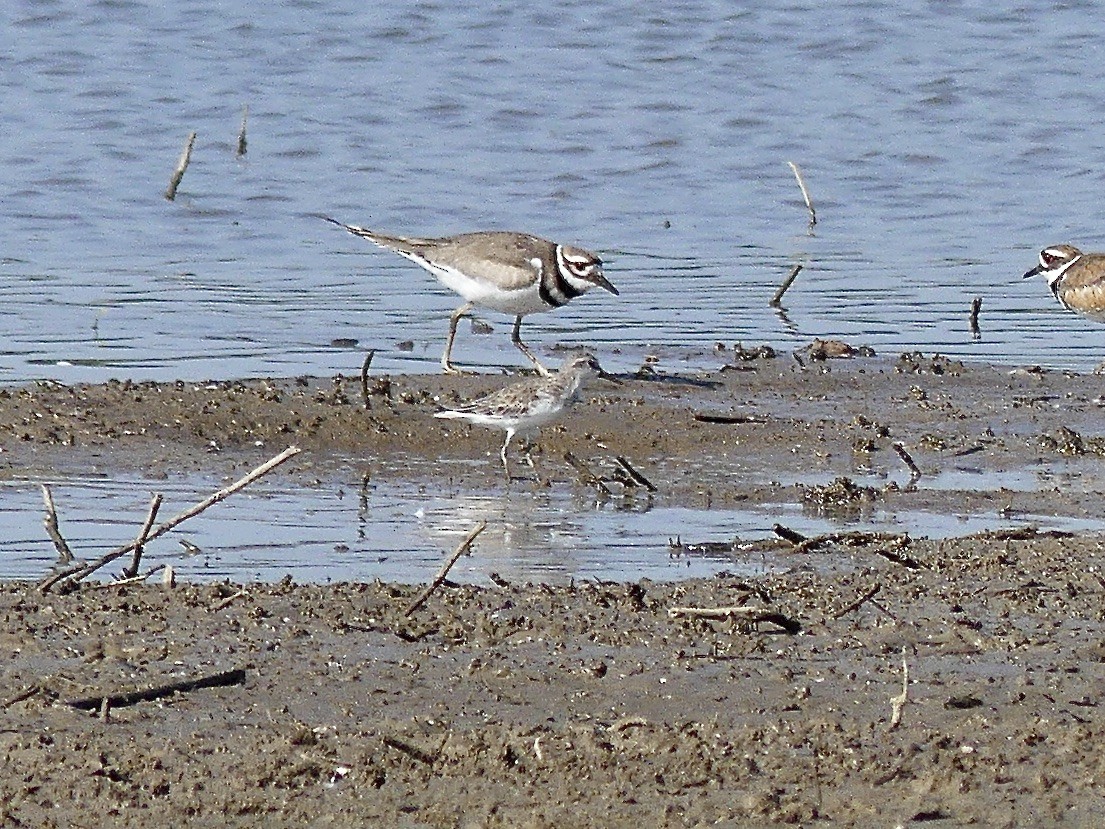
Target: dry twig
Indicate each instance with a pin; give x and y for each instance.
(181, 166)
(805, 193)
(73, 575)
(461, 549)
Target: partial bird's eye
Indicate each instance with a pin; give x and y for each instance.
(1049, 258)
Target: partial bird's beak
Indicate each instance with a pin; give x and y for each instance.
(609, 378)
(1034, 272)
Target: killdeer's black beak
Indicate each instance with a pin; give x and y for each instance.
(603, 282)
(1034, 272)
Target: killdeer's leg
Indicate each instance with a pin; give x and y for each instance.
(447, 366)
(517, 340)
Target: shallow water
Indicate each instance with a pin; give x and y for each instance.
(941, 148)
(344, 530)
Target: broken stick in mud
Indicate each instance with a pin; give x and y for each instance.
(68, 579)
(461, 549)
(219, 680)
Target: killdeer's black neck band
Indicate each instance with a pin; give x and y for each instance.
(555, 289)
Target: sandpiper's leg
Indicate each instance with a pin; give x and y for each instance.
(517, 340)
(453, 320)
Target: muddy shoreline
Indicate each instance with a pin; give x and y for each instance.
(595, 704)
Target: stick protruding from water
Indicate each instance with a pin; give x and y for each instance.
(805, 192)
(181, 166)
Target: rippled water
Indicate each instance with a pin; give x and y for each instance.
(943, 144)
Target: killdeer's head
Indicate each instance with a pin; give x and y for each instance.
(581, 269)
(1054, 262)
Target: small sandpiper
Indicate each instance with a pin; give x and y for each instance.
(530, 403)
(1077, 279)
(513, 273)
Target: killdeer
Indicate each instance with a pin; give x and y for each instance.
(1077, 279)
(531, 403)
(514, 273)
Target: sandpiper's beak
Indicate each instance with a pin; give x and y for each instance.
(1034, 272)
(609, 378)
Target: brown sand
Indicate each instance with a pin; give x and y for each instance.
(589, 704)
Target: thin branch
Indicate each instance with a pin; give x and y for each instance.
(805, 193)
(181, 166)
(445, 568)
(75, 575)
(219, 680)
(777, 300)
(242, 132)
(139, 542)
(65, 555)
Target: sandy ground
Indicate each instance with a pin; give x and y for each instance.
(590, 704)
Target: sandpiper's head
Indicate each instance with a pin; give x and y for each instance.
(586, 365)
(1054, 261)
(582, 269)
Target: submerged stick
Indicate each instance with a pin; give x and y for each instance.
(805, 193)
(181, 166)
(72, 576)
(242, 132)
(65, 555)
(220, 680)
(445, 568)
(777, 300)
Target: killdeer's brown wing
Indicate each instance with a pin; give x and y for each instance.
(510, 261)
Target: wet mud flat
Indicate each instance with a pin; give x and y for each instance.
(873, 680)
